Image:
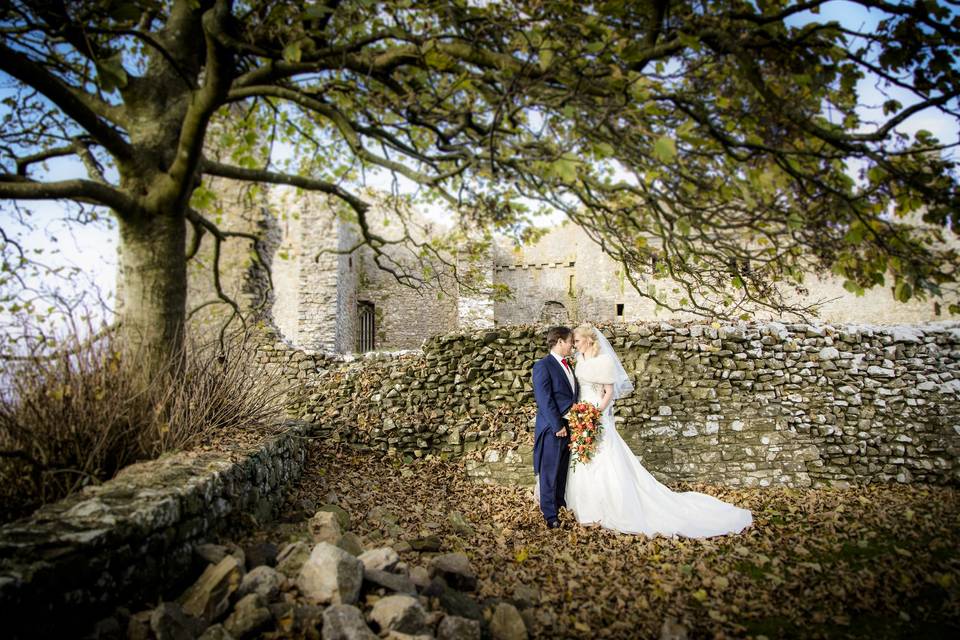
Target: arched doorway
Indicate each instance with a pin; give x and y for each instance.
(554, 313)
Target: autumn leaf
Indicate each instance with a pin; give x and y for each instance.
(815, 558)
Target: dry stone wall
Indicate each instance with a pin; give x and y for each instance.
(129, 538)
(748, 404)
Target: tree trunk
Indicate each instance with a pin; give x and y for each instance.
(152, 291)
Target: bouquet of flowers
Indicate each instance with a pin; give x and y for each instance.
(585, 428)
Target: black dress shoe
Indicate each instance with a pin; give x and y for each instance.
(553, 524)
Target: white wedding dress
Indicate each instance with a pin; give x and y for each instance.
(616, 492)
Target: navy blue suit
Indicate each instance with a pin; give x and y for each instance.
(551, 454)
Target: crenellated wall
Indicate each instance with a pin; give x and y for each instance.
(747, 404)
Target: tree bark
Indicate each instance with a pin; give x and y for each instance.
(153, 290)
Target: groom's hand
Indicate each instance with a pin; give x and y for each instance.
(562, 433)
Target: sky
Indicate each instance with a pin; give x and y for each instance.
(93, 247)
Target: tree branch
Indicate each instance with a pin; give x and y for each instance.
(213, 168)
(41, 156)
(88, 191)
(34, 75)
(216, 84)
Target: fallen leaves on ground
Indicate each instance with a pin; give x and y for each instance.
(873, 561)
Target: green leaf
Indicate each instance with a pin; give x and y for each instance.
(683, 225)
(855, 234)
(438, 60)
(546, 58)
(565, 168)
(737, 282)
(665, 149)
(292, 52)
(603, 150)
(202, 198)
(876, 175)
(688, 40)
(853, 287)
(902, 291)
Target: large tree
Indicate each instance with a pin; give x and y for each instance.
(721, 142)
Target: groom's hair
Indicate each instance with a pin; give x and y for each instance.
(557, 333)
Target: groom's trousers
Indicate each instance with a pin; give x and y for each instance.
(554, 458)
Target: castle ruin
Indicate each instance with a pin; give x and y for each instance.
(338, 302)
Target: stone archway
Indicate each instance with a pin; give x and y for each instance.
(554, 313)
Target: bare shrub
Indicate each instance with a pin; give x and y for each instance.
(79, 417)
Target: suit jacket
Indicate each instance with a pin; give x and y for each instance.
(554, 398)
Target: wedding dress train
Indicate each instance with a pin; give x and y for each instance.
(615, 491)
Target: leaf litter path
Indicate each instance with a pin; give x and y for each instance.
(870, 562)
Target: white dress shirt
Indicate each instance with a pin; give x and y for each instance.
(566, 370)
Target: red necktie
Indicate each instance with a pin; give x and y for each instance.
(566, 364)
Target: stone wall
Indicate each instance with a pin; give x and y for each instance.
(405, 316)
(129, 538)
(750, 404)
(475, 308)
(347, 285)
(318, 300)
(315, 285)
(534, 286)
(242, 277)
(286, 270)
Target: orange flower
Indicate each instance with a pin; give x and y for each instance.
(585, 428)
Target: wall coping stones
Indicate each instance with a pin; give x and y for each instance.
(131, 538)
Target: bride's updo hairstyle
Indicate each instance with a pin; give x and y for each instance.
(586, 331)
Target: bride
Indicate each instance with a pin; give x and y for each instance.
(613, 489)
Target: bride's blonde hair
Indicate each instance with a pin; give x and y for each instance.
(587, 331)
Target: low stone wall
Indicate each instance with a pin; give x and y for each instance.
(746, 404)
(130, 538)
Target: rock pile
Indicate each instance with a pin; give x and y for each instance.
(328, 586)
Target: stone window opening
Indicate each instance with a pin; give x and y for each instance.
(570, 287)
(366, 327)
(620, 310)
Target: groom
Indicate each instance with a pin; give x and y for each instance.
(555, 388)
